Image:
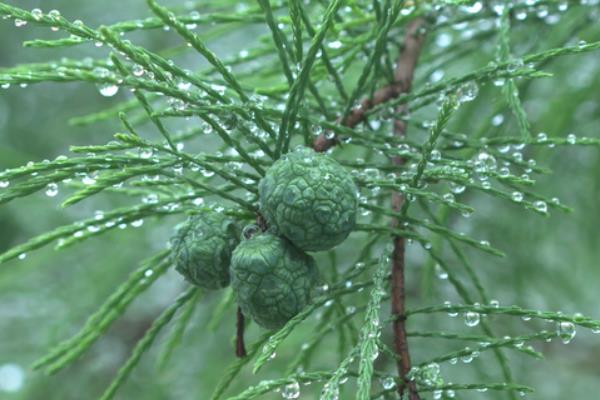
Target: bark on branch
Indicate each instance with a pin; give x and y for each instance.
(403, 78)
(405, 68)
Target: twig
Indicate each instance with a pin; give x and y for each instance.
(357, 115)
(403, 77)
(413, 40)
(240, 347)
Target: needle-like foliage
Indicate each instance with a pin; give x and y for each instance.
(377, 84)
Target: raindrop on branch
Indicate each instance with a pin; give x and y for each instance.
(388, 382)
(108, 89)
(541, 206)
(472, 318)
(51, 189)
(467, 92)
(566, 331)
(37, 14)
(291, 391)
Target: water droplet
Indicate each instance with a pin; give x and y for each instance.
(335, 44)
(88, 180)
(439, 271)
(184, 86)
(494, 303)
(375, 353)
(22, 256)
(146, 153)
(467, 92)
(405, 11)
(542, 11)
(108, 89)
(448, 197)
(138, 70)
(207, 173)
(498, 119)
(473, 8)
(517, 197)
(443, 40)
(540, 206)
(499, 82)
(54, 14)
(472, 318)
(51, 189)
(451, 313)
(457, 188)
(19, 23)
(542, 137)
(37, 14)
(521, 14)
(566, 331)
(137, 223)
(571, 138)
(388, 382)
(4, 184)
(218, 88)
(291, 390)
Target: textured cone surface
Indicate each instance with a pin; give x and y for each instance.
(202, 248)
(310, 199)
(272, 280)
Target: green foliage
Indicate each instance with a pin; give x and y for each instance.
(207, 128)
(272, 280)
(310, 199)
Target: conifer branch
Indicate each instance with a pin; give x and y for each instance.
(405, 67)
(310, 63)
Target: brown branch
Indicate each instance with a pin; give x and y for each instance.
(403, 77)
(405, 68)
(358, 114)
(240, 348)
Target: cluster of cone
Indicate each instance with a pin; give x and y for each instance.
(309, 202)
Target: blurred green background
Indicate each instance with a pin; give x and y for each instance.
(551, 264)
